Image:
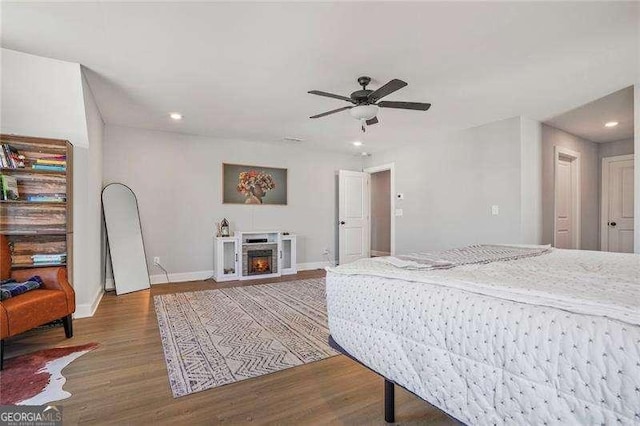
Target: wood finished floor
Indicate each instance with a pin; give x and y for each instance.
(125, 380)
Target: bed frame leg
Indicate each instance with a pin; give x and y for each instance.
(389, 402)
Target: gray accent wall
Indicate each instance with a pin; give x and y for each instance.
(592, 154)
(589, 185)
(612, 149)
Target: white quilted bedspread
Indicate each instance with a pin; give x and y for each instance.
(553, 339)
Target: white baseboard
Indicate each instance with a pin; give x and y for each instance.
(203, 275)
(109, 284)
(380, 253)
(174, 278)
(315, 265)
(180, 277)
(86, 310)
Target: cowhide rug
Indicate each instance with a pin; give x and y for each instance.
(36, 378)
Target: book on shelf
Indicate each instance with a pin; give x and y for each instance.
(49, 258)
(48, 198)
(37, 155)
(48, 263)
(10, 158)
(45, 199)
(49, 167)
(52, 162)
(9, 187)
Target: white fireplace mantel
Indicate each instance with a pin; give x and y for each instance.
(231, 255)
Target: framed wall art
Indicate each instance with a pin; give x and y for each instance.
(242, 184)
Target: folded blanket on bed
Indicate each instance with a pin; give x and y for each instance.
(474, 254)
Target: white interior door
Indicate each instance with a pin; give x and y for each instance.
(564, 216)
(567, 200)
(353, 215)
(617, 200)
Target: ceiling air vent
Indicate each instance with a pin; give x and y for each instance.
(292, 139)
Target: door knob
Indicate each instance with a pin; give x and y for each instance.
(612, 224)
(342, 222)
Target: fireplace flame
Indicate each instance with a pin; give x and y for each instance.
(260, 265)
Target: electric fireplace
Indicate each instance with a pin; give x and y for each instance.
(259, 262)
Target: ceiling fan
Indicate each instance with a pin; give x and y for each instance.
(365, 101)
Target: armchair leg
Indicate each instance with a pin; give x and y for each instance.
(68, 326)
(2, 354)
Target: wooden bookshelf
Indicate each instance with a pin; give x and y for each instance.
(39, 227)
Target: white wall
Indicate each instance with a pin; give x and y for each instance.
(589, 185)
(88, 240)
(531, 180)
(636, 117)
(177, 180)
(46, 98)
(450, 183)
(42, 97)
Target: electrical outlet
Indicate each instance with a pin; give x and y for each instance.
(156, 260)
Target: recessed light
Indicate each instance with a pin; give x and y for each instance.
(357, 143)
(611, 124)
(176, 116)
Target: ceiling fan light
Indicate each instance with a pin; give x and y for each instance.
(364, 112)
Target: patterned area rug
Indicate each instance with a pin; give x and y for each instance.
(36, 378)
(216, 337)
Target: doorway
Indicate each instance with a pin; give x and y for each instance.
(567, 233)
(381, 213)
(617, 215)
(366, 207)
(602, 133)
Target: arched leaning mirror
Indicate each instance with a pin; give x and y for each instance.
(124, 236)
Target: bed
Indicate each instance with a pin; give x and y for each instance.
(531, 335)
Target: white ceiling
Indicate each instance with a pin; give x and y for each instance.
(242, 70)
(588, 120)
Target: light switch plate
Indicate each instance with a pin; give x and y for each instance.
(399, 212)
(495, 210)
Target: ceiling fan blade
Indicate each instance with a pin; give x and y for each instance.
(419, 106)
(333, 111)
(387, 89)
(330, 95)
(372, 121)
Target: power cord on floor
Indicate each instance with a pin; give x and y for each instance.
(327, 257)
(163, 270)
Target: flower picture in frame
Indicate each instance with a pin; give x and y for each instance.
(257, 185)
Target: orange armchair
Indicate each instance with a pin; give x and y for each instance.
(53, 300)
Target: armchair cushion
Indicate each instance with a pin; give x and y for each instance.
(53, 278)
(34, 308)
(12, 288)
